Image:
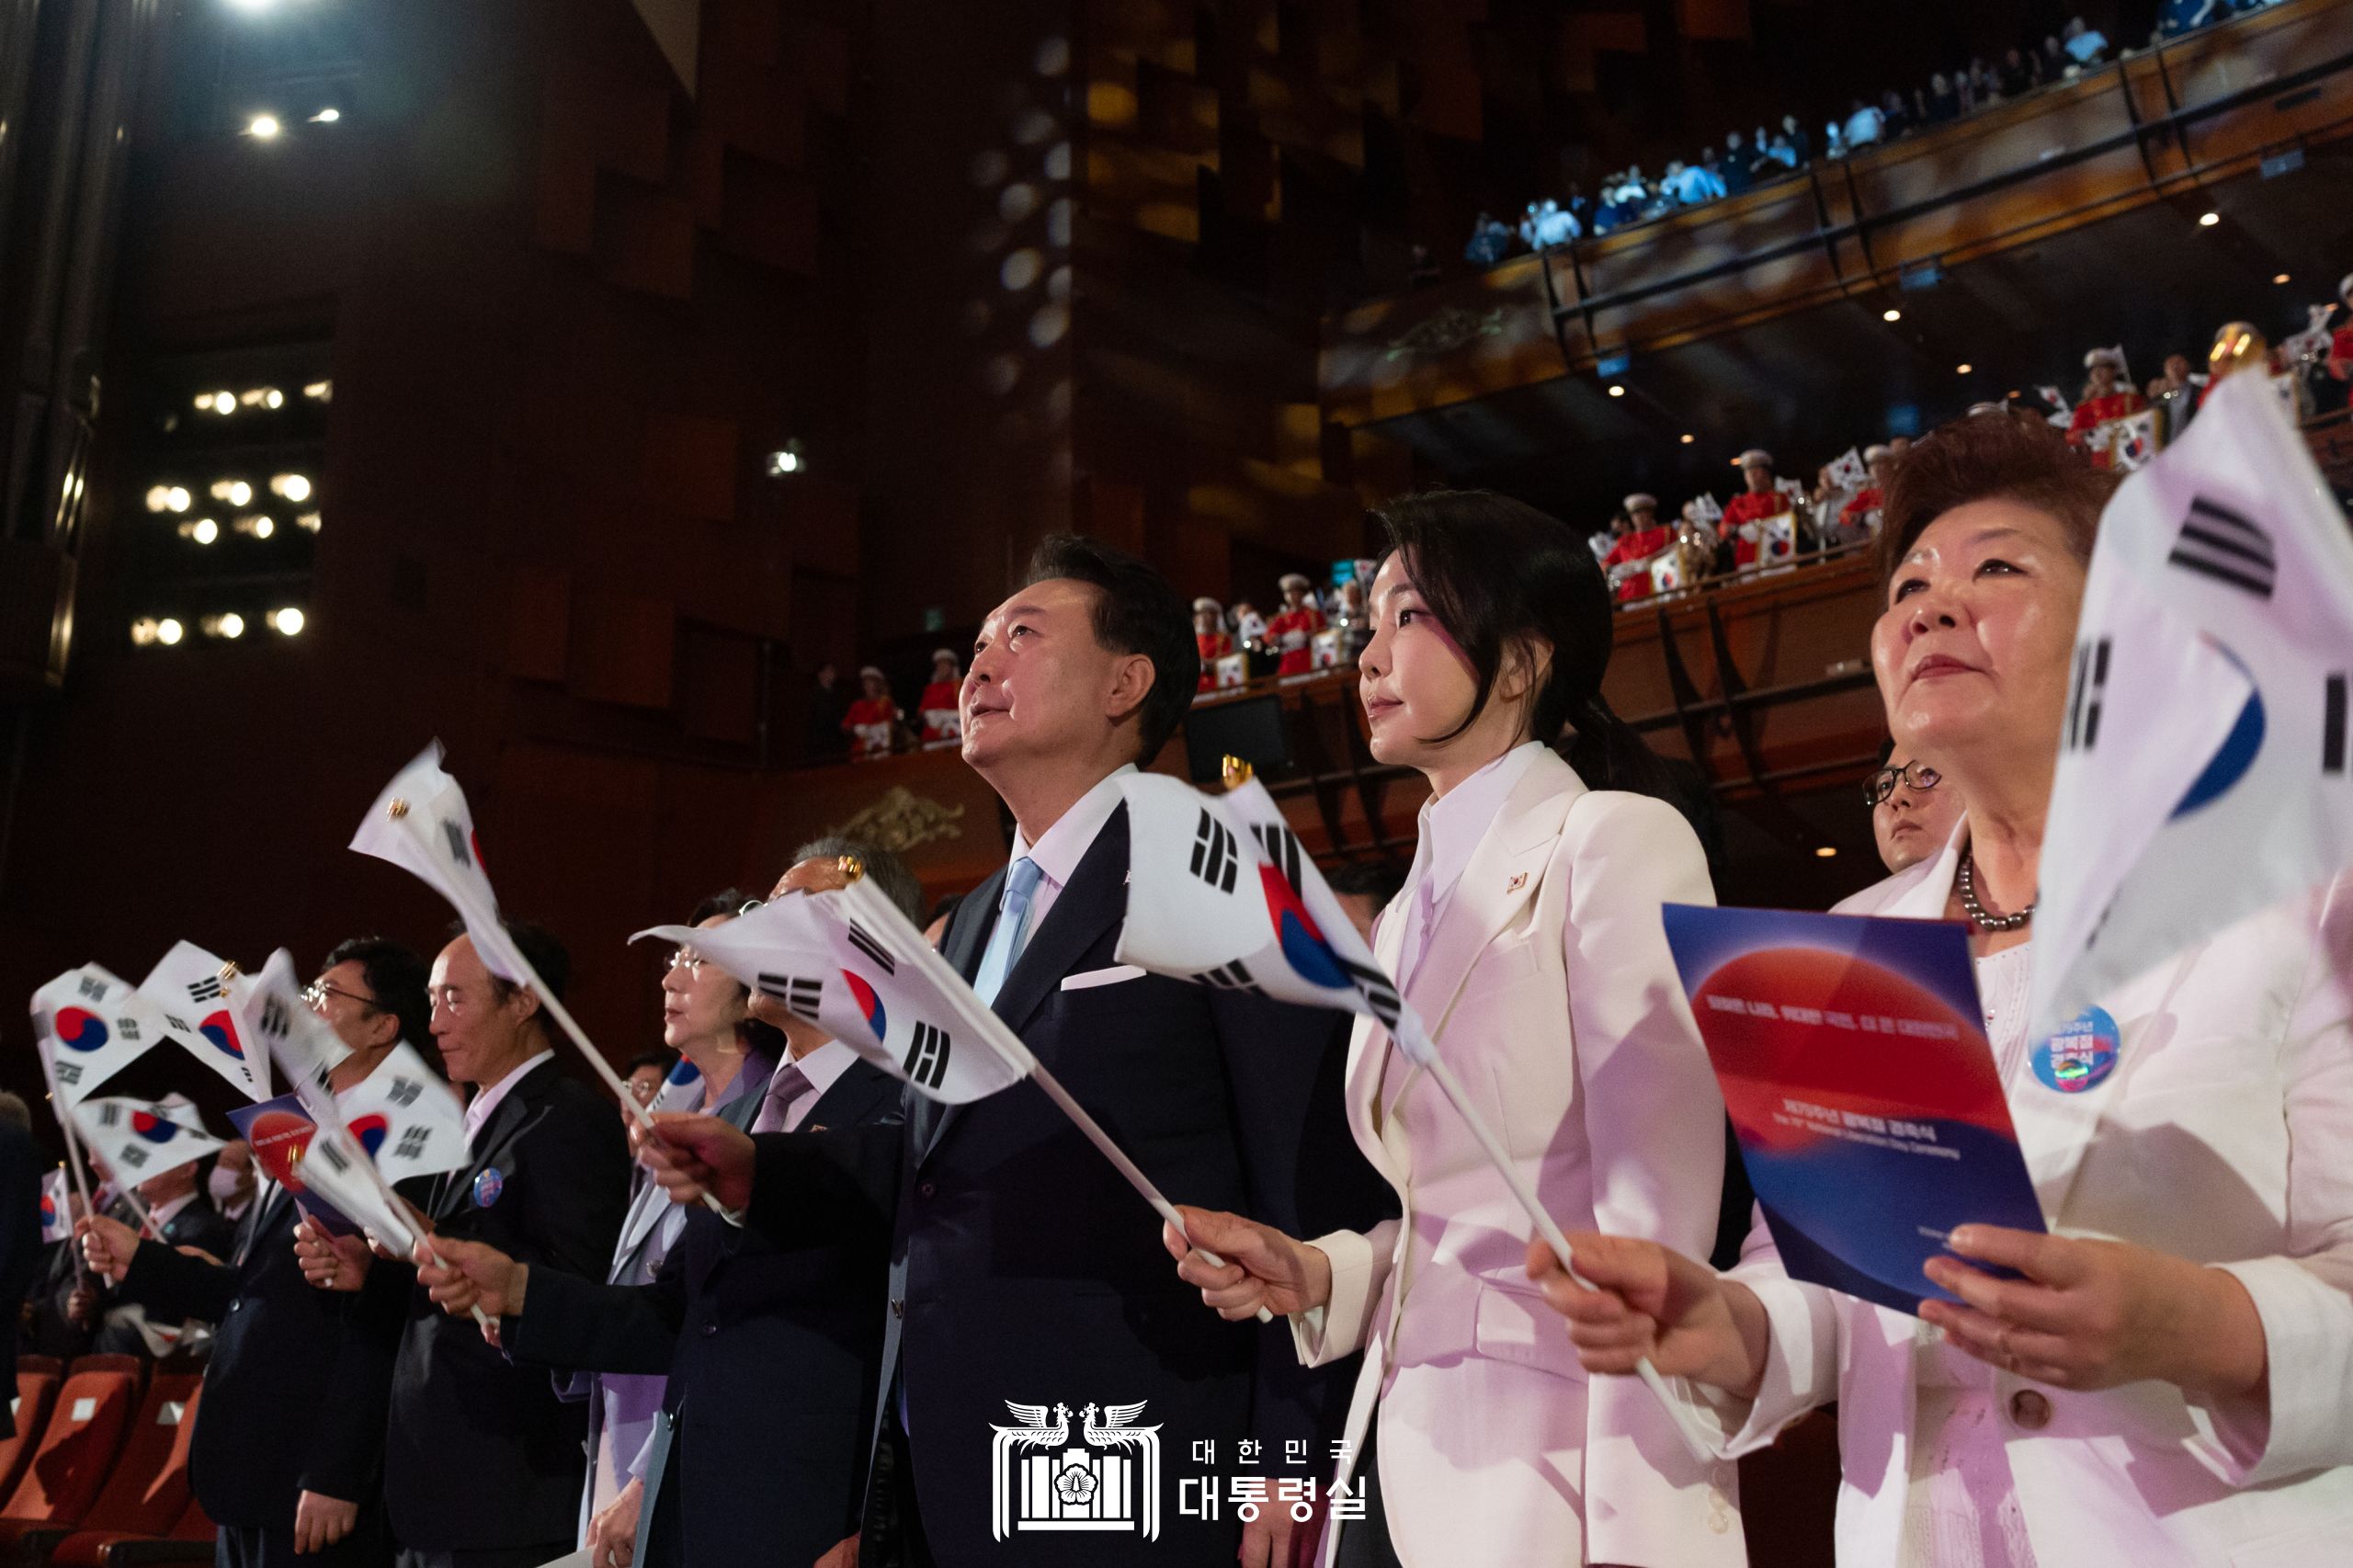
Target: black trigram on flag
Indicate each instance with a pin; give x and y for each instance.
(1213, 857)
(1235, 976)
(863, 940)
(127, 1027)
(2332, 725)
(1374, 987)
(109, 1115)
(2227, 546)
(1281, 845)
(132, 1154)
(455, 837)
(413, 1142)
(404, 1091)
(2090, 688)
(336, 1159)
(275, 1021)
(204, 990)
(926, 1061)
(799, 993)
(92, 988)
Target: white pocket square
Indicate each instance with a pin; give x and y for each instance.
(1113, 977)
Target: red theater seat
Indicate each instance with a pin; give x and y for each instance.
(76, 1449)
(36, 1392)
(190, 1542)
(146, 1494)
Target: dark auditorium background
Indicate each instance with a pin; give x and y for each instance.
(637, 357)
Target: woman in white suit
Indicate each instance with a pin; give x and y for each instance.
(2169, 1383)
(1527, 939)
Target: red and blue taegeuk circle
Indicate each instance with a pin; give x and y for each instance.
(370, 1130)
(81, 1030)
(869, 1004)
(154, 1128)
(1303, 947)
(222, 1030)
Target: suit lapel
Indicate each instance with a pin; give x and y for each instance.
(505, 1124)
(1502, 877)
(1093, 902)
(968, 935)
(1368, 1050)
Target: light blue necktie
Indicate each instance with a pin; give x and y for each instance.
(1012, 926)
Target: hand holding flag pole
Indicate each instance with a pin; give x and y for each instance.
(1196, 911)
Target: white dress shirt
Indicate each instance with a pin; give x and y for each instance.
(1451, 826)
(478, 1110)
(822, 1067)
(1061, 848)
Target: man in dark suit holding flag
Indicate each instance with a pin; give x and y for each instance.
(1021, 1274)
(288, 1452)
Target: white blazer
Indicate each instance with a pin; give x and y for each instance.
(2223, 1135)
(1549, 988)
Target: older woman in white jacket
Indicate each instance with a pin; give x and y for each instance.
(2169, 1383)
(1528, 939)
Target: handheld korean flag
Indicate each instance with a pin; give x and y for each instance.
(421, 823)
(195, 983)
(2205, 769)
(56, 1211)
(2132, 442)
(1221, 891)
(92, 1025)
(841, 974)
(407, 1119)
(1850, 472)
(141, 1140)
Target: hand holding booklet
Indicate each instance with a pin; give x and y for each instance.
(1854, 1063)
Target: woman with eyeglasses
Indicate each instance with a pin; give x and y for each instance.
(2166, 1379)
(1528, 939)
(1914, 810)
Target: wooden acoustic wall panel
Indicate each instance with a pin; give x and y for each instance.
(770, 215)
(818, 519)
(719, 684)
(690, 464)
(645, 239)
(1438, 346)
(623, 649)
(1723, 21)
(539, 622)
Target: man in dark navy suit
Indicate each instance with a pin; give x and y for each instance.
(482, 1463)
(773, 1355)
(288, 1452)
(1023, 1271)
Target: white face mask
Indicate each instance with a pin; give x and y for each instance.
(227, 1187)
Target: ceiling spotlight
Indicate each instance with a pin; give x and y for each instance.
(1616, 391)
(294, 486)
(264, 527)
(1891, 314)
(288, 622)
(232, 626)
(1689, 437)
(273, 398)
(321, 391)
(1963, 369)
(178, 498)
(142, 631)
(1825, 852)
(2280, 277)
(159, 498)
(169, 632)
(783, 462)
(265, 125)
(235, 491)
(2208, 220)
(308, 522)
(224, 403)
(327, 116)
(204, 530)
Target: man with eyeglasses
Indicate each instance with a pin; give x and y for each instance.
(289, 1435)
(1912, 810)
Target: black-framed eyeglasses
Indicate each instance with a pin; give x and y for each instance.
(1878, 786)
(318, 991)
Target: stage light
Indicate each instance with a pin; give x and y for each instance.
(1963, 369)
(204, 530)
(1890, 315)
(178, 500)
(235, 491)
(294, 486)
(308, 522)
(1825, 852)
(2280, 277)
(2208, 220)
(159, 497)
(327, 116)
(142, 631)
(169, 632)
(264, 527)
(262, 126)
(1689, 437)
(320, 391)
(273, 398)
(220, 402)
(251, 5)
(1617, 390)
(783, 462)
(232, 626)
(288, 622)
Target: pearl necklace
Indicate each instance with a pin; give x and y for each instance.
(1966, 885)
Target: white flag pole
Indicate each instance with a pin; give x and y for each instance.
(562, 1016)
(943, 974)
(64, 1126)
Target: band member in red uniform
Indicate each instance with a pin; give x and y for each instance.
(2340, 345)
(937, 705)
(872, 721)
(1293, 631)
(1759, 501)
(1211, 636)
(2106, 399)
(1646, 536)
(1862, 512)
